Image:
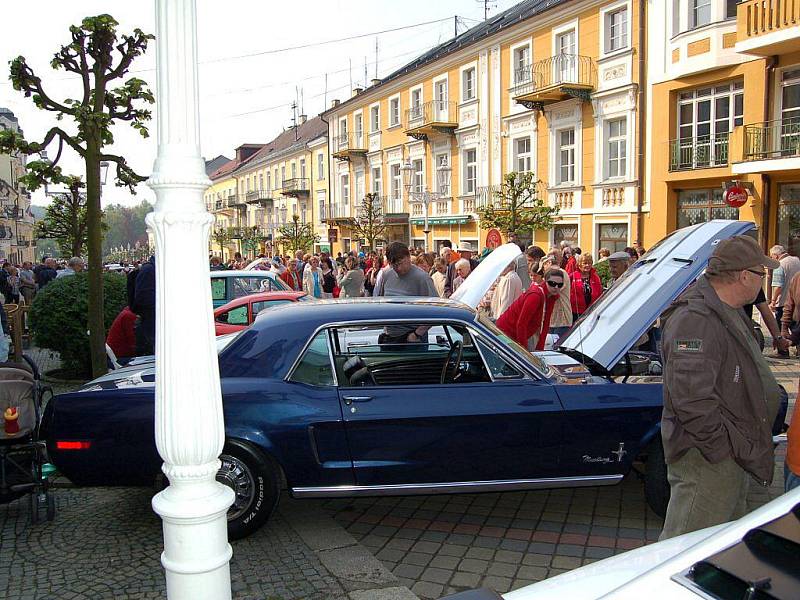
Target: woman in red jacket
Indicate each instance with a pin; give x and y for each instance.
(585, 287)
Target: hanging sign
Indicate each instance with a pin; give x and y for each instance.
(493, 239)
(735, 196)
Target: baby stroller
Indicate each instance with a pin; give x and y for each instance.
(23, 465)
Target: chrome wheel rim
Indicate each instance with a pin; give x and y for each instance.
(237, 475)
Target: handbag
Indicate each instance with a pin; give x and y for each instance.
(336, 291)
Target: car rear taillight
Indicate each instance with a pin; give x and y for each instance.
(73, 445)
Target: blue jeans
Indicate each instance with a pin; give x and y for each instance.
(790, 480)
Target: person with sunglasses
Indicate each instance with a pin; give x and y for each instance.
(527, 320)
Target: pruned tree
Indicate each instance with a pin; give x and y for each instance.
(516, 206)
(298, 236)
(251, 238)
(369, 224)
(221, 237)
(101, 57)
(64, 219)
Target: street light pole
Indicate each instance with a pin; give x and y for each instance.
(189, 428)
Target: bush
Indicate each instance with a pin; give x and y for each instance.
(603, 272)
(59, 315)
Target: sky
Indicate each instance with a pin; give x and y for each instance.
(248, 78)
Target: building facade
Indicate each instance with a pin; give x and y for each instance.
(547, 87)
(17, 242)
(724, 106)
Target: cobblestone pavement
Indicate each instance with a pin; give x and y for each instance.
(443, 544)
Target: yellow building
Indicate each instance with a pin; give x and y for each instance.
(550, 88)
(17, 241)
(723, 112)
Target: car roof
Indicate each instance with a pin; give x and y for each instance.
(258, 297)
(242, 273)
(316, 314)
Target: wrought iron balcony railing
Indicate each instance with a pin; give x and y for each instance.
(295, 186)
(260, 197)
(347, 144)
(772, 139)
(699, 152)
(430, 116)
(555, 78)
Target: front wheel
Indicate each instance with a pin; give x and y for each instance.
(656, 486)
(253, 477)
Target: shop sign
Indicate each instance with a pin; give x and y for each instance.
(735, 196)
(333, 235)
(396, 219)
(493, 239)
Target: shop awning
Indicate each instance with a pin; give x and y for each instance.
(449, 220)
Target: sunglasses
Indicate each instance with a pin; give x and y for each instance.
(759, 272)
(554, 284)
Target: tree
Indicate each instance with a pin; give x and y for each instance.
(517, 206)
(297, 235)
(125, 225)
(369, 223)
(221, 237)
(64, 219)
(251, 238)
(100, 57)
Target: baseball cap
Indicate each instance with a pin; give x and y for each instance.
(619, 256)
(737, 254)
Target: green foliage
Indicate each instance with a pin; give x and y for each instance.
(125, 225)
(297, 236)
(603, 272)
(58, 317)
(369, 224)
(65, 220)
(517, 207)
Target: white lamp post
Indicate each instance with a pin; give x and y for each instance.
(425, 196)
(189, 428)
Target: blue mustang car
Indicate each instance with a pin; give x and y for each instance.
(315, 402)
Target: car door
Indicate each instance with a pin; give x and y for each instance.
(406, 427)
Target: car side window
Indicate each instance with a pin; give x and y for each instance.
(218, 288)
(244, 286)
(315, 366)
(259, 306)
(497, 365)
(238, 316)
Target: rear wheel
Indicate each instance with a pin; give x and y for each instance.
(656, 486)
(253, 477)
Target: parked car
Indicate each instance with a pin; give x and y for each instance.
(229, 285)
(313, 397)
(238, 314)
(760, 550)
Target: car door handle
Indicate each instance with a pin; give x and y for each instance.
(348, 400)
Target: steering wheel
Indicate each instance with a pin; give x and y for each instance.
(455, 353)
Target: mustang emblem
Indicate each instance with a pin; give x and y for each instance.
(596, 459)
(620, 452)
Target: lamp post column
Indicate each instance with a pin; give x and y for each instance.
(189, 428)
(426, 202)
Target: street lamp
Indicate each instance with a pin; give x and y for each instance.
(425, 196)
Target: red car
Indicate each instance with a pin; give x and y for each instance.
(241, 312)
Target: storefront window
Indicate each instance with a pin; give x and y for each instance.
(789, 216)
(568, 233)
(699, 206)
(613, 236)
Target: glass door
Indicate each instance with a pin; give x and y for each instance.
(440, 95)
(567, 67)
(790, 113)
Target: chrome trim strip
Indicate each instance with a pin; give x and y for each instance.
(408, 489)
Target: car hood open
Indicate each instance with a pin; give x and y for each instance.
(481, 279)
(619, 318)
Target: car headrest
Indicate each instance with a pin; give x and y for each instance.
(362, 377)
(353, 364)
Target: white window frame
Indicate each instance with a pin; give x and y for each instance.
(358, 133)
(376, 179)
(605, 33)
(560, 180)
(692, 7)
(360, 185)
(343, 126)
(411, 105)
(374, 110)
(621, 141)
(441, 107)
(528, 156)
(394, 103)
(418, 175)
(344, 188)
(466, 176)
(320, 166)
(396, 182)
(462, 79)
(514, 66)
(561, 29)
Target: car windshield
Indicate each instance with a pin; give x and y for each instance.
(540, 365)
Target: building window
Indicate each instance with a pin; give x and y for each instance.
(359, 186)
(700, 12)
(730, 8)
(699, 206)
(565, 233)
(522, 64)
(468, 84)
(394, 112)
(294, 170)
(789, 217)
(345, 188)
(416, 104)
(396, 185)
(321, 203)
(320, 166)
(617, 29)
(566, 156)
(613, 236)
(705, 119)
(343, 127)
(419, 176)
(260, 181)
(358, 127)
(470, 185)
(302, 168)
(616, 147)
(522, 154)
(377, 183)
(283, 174)
(374, 119)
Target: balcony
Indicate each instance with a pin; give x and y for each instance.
(554, 79)
(392, 206)
(435, 116)
(237, 200)
(700, 152)
(769, 146)
(261, 197)
(295, 187)
(767, 27)
(348, 145)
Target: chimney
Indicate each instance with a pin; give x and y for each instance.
(334, 103)
(357, 91)
(302, 119)
(374, 82)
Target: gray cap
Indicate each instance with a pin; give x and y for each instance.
(619, 256)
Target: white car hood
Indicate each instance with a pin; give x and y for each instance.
(613, 324)
(474, 288)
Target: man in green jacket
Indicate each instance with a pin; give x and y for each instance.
(720, 397)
